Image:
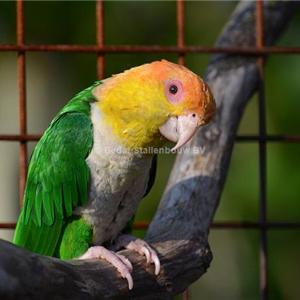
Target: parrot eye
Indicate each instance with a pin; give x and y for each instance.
(174, 91)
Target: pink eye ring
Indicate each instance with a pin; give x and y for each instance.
(174, 91)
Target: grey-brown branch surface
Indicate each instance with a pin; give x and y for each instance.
(180, 227)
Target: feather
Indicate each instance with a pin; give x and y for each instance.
(38, 206)
(57, 175)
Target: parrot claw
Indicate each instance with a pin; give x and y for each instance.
(126, 261)
(142, 248)
(120, 262)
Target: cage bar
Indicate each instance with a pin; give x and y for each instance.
(263, 254)
(100, 37)
(180, 18)
(140, 49)
(270, 225)
(21, 67)
(239, 138)
(180, 14)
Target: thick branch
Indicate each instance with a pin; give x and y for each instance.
(180, 227)
(25, 275)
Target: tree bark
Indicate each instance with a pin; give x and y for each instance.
(180, 227)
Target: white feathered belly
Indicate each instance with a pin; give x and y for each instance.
(118, 182)
(115, 193)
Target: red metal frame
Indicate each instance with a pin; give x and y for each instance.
(263, 225)
(136, 49)
(263, 253)
(100, 38)
(22, 97)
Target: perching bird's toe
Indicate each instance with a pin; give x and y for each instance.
(120, 262)
(140, 246)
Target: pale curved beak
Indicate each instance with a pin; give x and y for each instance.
(180, 129)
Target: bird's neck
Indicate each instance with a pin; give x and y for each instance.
(130, 113)
(108, 142)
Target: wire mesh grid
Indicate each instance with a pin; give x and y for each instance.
(262, 225)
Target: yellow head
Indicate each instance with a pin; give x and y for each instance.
(152, 102)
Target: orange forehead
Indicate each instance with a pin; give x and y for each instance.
(198, 97)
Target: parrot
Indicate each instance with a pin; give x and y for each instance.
(94, 164)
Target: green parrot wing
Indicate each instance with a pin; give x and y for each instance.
(58, 177)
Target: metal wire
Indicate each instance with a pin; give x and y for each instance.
(143, 225)
(263, 253)
(140, 49)
(180, 30)
(239, 138)
(260, 50)
(21, 65)
(180, 17)
(100, 37)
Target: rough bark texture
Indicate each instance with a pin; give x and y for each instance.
(180, 228)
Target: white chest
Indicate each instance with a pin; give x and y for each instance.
(118, 182)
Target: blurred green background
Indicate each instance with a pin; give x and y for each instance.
(52, 79)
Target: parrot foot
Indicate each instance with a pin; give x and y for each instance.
(141, 247)
(120, 262)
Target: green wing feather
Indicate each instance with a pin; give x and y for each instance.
(58, 176)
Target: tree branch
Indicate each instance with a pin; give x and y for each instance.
(181, 225)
